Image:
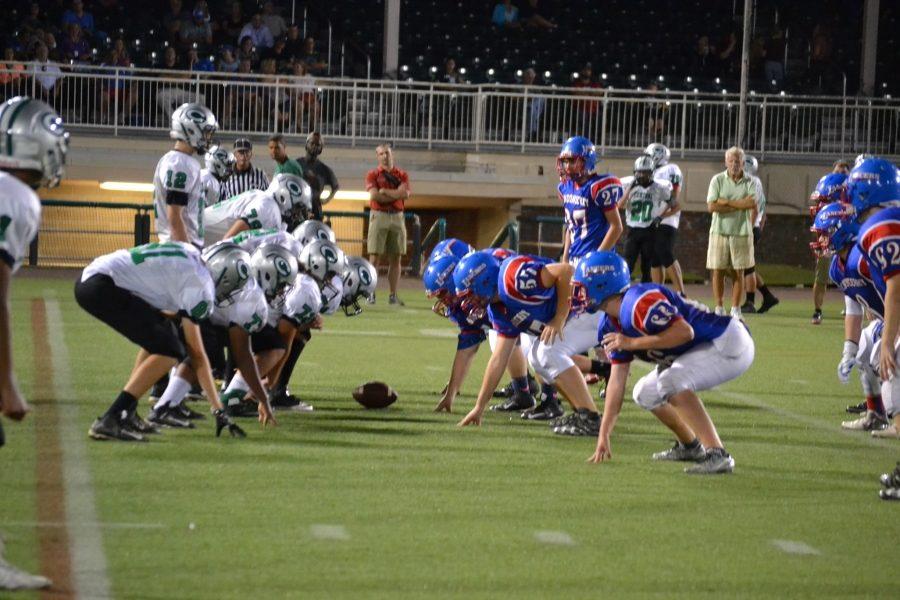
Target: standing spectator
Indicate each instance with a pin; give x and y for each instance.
(47, 73)
(196, 30)
(752, 279)
(257, 32)
(702, 62)
(78, 16)
(530, 15)
(451, 74)
(773, 67)
(245, 176)
(731, 198)
(820, 280)
(587, 117)
(273, 20)
(278, 153)
(118, 57)
(314, 62)
(73, 46)
(534, 105)
(505, 15)
(317, 174)
(388, 188)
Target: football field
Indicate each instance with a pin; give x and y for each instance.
(400, 503)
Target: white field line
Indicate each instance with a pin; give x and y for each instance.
(53, 525)
(793, 547)
(89, 574)
(439, 333)
(556, 538)
(329, 532)
(356, 332)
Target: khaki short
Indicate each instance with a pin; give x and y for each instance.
(387, 233)
(729, 252)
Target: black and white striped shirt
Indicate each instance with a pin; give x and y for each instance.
(239, 182)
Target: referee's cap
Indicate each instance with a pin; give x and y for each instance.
(242, 144)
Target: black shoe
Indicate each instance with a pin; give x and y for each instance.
(857, 409)
(891, 480)
(817, 318)
(547, 410)
(185, 412)
(393, 299)
(284, 400)
(748, 308)
(768, 303)
(109, 428)
(517, 403)
(168, 418)
(506, 391)
(134, 422)
(582, 423)
(533, 386)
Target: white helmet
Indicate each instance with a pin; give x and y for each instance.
(293, 195)
(33, 138)
(229, 266)
(751, 165)
(322, 260)
(274, 268)
(311, 230)
(360, 279)
(220, 162)
(195, 125)
(643, 164)
(659, 153)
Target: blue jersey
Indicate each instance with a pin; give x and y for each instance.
(649, 309)
(586, 207)
(525, 305)
(855, 280)
(879, 241)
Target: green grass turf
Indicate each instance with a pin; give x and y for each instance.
(434, 511)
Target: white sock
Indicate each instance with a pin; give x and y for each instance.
(236, 390)
(175, 392)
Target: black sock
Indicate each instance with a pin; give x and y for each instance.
(293, 356)
(692, 444)
(751, 297)
(548, 391)
(125, 402)
(600, 368)
(764, 289)
(520, 384)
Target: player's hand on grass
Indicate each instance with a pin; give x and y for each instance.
(886, 365)
(223, 421)
(602, 452)
(266, 416)
(473, 418)
(446, 402)
(12, 403)
(616, 341)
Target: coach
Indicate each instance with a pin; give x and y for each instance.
(731, 199)
(388, 188)
(246, 176)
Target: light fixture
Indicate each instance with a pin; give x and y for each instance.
(689, 79)
(351, 195)
(126, 186)
(434, 69)
(462, 70)
(404, 68)
(491, 71)
(546, 74)
(603, 76)
(718, 81)
(518, 72)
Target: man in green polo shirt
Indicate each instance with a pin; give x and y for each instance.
(278, 152)
(731, 199)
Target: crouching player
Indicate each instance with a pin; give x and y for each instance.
(145, 293)
(836, 232)
(693, 350)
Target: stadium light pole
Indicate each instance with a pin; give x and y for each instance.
(745, 75)
(391, 38)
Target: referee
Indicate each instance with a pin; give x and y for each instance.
(246, 176)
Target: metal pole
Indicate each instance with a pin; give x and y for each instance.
(869, 47)
(745, 74)
(684, 109)
(305, 8)
(342, 59)
(293, 11)
(116, 105)
(525, 123)
(329, 48)
(844, 115)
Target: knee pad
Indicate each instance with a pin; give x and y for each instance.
(646, 392)
(550, 361)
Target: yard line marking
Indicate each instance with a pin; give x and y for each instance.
(85, 542)
(557, 538)
(329, 532)
(792, 547)
(60, 524)
(798, 381)
(357, 333)
(434, 368)
(439, 333)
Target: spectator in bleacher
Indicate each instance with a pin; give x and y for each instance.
(702, 63)
(11, 73)
(171, 94)
(35, 20)
(228, 63)
(117, 56)
(727, 53)
(306, 101)
(195, 62)
(656, 114)
(294, 42)
(531, 17)
(247, 51)
(535, 106)
(317, 174)
(506, 15)
(245, 176)
(229, 28)
(258, 32)
(196, 30)
(273, 20)
(388, 188)
(587, 111)
(451, 74)
(773, 66)
(283, 163)
(273, 103)
(47, 73)
(173, 19)
(73, 46)
(78, 16)
(314, 63)
(279, 54)
(246, 97)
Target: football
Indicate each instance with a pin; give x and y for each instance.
(375, 394)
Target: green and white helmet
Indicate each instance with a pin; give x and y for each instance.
(322, 260)
(195, 125)
(312, 230)
(274, 268)
(229, 265)
(293, 195)
(360, 279)
(751, 165)
(220, 162)
(33, 138)
(659, 153)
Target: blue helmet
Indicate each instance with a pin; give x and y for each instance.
(873, 182)
(574, 148)
(475, 280)
(598, 276)
(450, 246)
(831, 188)
(835, 227)
(438, 281)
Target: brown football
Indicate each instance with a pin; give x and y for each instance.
(375, 394)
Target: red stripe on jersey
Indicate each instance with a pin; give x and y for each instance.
(881, 231)
(509, 278)
(863, 268)
(642, 308)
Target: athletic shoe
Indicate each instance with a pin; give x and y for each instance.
(134, 422)
(283, 400)
(547, 410)
(371, 299)
(108, 428)
(716, 461)
(393, 299)
(582, 423)
(817, 317)
(166, 417)
(158, 388)
(892, 493)
(871, 421)
(748, 308)
(768, 304)
(855, 409)
(681, 452)
(891, 479)
(736, 313)
(301, 406)
(517, 403)
(13, 578)
(505, 392)
(185, 412)
(720, 311)
(888, 432)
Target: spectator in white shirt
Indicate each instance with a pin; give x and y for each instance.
(258, 32)
(47, 73)
(273, 20)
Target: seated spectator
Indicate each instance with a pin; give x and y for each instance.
(197, 63)
(294, 43)
(314, 62)
(117, 56)
(230, 27)
(451, 75)
(273, 20)
(247, 51)
(587, 118)
(258, 32)
(173, 19)
(279, 54)
(531, 17)
(273, 101)
(78, 16)
(35, 20)
(534, 106)
(247, 97)
(73, 46)
(12, 75)
(505, 15)
(727, 54)
(228, 63)
(196, 30)
(47, 73)
(773, 65)
(305, 98)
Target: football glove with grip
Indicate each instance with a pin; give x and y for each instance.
(848, 360)
(223, 421)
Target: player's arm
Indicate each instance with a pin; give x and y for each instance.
(237, 227)
(401, 193)
(891, 326)
(331, 181)
(462, 360)
(853, 316)
(673, 206)
(612, 406)
(239, 344)
(558, 275)
(615, 229)
(288, 331)
(492, 374)
(12, 404)
(567, 241)
(200, 362)
(677, 333)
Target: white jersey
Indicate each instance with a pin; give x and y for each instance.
(301, 303)
(257, 208)
(672, 174)
(645, 203)
(178, 173)
(20, 219)
(248, 309)
(760, 199)
(212, 187)
(169, 276)
(251, 239)
(331, 295)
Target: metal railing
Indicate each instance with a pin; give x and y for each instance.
(509, 235)
(542, 235)
(502, 117)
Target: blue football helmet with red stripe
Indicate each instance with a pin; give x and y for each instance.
(577, 159)
(450, 246)
(835, 228)
(475, 279)
(598, 276)
(873, 182)
(830, 188)
(438, 281)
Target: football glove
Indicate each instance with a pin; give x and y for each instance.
(223, 421)
(655, 222)
(848, 360)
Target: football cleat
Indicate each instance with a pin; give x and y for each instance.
(871, 421)
(505, 392)
(582, 423)
(547, 410)
(892, 493)
(681, 452)
(888, 432)
(716, 461)
(168, 418)
(817, 318)
(857, 408)
(109, 428)
(12, 578)
(185, 412)
(394, 299)
(767, 304)
(891, 479)
(518, 402)
(134, 422)
(747, 307)
(720, 311)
